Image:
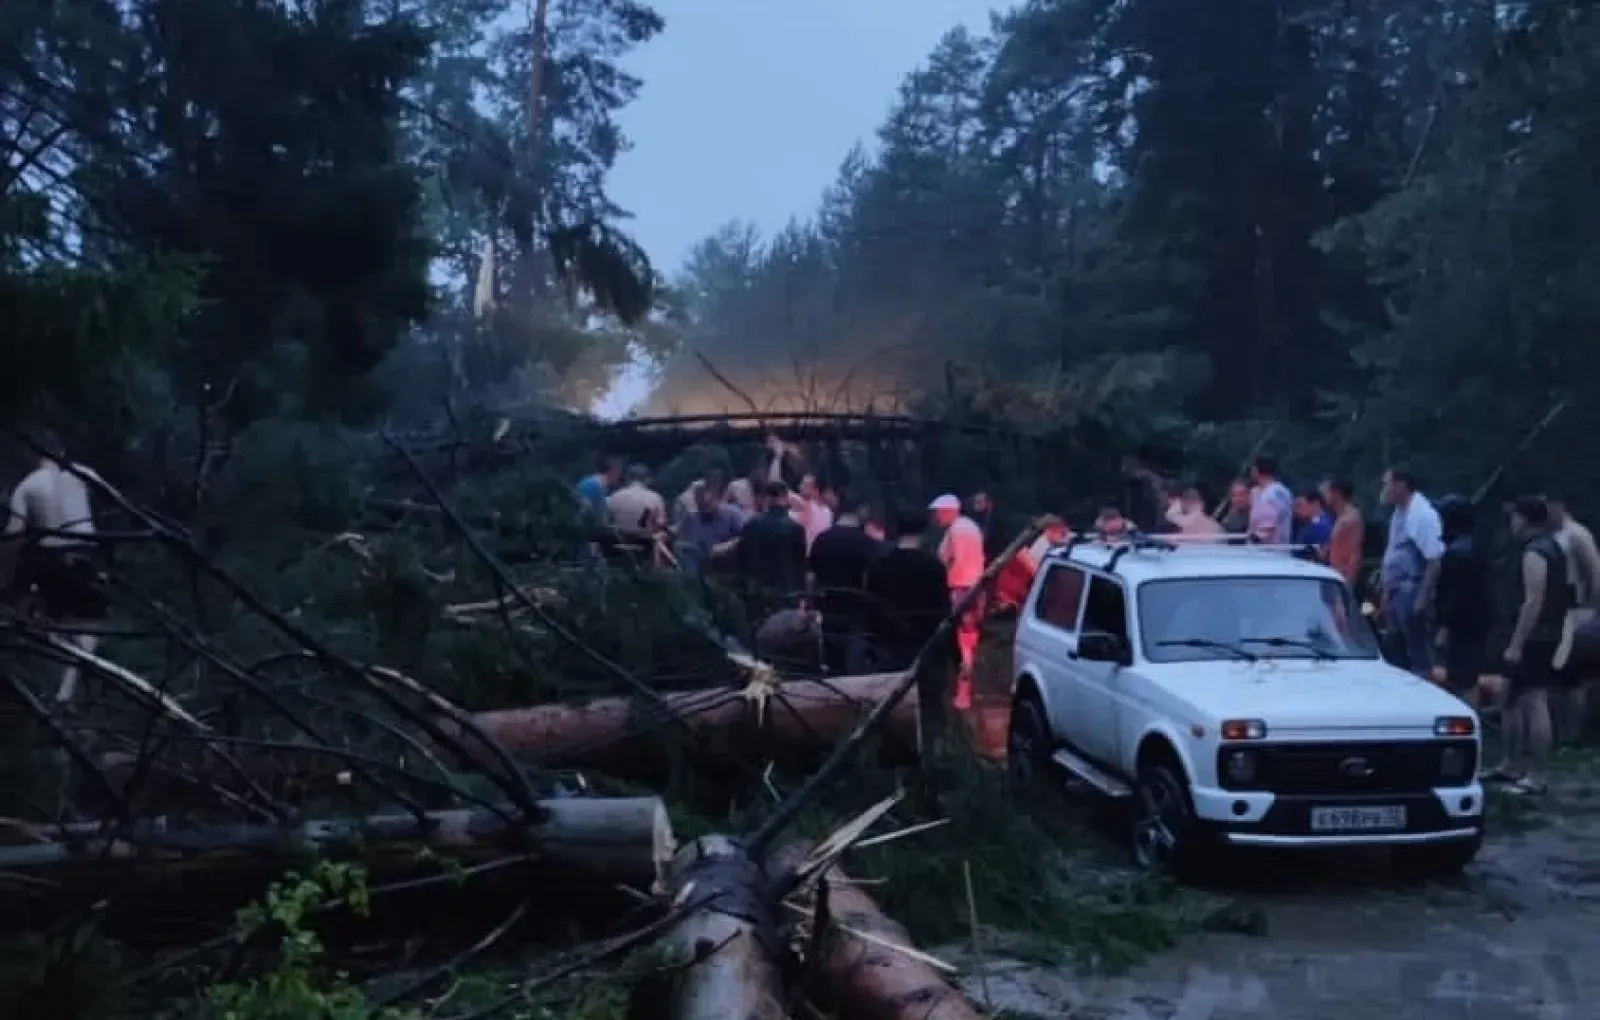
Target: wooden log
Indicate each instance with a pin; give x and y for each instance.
(624, 840)
(798, 715)
(728, 945)
(860, 973)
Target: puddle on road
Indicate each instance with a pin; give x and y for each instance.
(1516, 939)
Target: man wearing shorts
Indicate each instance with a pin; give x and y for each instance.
(1583, 571)
(1540, 590)
(51, 507)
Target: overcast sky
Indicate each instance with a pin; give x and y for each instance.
(749, 106)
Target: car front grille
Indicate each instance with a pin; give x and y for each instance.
(1351, 768)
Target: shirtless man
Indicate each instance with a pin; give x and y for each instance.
(51, 506)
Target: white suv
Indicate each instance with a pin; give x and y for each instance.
(1235, 695)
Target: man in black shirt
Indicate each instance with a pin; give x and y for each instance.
(1462, 601)
(907, 594)
(772, 545)
(1539, 586)
(839, 559)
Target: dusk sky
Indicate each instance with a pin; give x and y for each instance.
(749, 106)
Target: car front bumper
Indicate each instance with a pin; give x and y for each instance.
(1282, 820)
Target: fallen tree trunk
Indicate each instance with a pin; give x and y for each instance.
(618, 839)
(866, 967)
(726, 947)
(796, 715)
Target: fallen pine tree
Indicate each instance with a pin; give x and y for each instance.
(800, 717)
(608, 840)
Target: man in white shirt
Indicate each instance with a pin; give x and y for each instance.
(1271, 504)
(1188, 514)
(636, 510)
(51, 506)
(1410, 572)
(961, 552)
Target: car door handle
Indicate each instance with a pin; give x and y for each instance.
(1072, 654)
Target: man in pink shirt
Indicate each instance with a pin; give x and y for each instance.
(810, 510)
(961, 552)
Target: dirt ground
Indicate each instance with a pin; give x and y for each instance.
(1519, 937)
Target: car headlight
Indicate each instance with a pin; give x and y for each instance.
(1454, 763)
(1240, 767)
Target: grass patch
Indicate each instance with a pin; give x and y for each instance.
(1044, 877)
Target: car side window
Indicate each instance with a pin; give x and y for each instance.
(1107, 608)
(1060, 596)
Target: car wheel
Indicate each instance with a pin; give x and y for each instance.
(1436, 861)
(1163, 834)
(1027, 742)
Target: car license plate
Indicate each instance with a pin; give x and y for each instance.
(1357, 819)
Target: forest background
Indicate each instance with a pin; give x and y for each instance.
(240, 237)
(1363, 229)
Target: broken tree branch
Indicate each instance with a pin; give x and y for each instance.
(791, 808)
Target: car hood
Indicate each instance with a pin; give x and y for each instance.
(1306, 695)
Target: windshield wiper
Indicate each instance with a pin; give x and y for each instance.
(1315, 649)
(1219, 646)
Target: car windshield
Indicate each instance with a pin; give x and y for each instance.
(1203, 618)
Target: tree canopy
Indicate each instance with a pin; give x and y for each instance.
(1365, 225)
(249, 208)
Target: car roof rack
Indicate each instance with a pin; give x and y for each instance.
(1130, 541)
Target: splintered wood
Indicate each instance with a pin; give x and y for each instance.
(867, 968)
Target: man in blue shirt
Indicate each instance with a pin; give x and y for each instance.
(593, 489)
(1313, 525)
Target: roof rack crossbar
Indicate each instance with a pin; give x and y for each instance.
(1127, 542)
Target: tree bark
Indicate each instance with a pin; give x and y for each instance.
(624, 840)
(728, 946)
(863, 979)
(801, 717)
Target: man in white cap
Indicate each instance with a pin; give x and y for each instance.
(961, 552)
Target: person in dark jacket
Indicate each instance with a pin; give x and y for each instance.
(1144, 495)
(1463, 602)
(839, 560)
(907, 594)
(772, 545)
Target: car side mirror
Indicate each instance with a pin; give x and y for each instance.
(1099, 646)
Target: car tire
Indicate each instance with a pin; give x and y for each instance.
(1435, 861)
(1164, 837)
(1027, 742)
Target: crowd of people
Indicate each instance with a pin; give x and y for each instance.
(1435, 598)
(866, 591)
(867, 601)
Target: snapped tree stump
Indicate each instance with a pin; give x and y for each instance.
(726, 948)
(857, 974)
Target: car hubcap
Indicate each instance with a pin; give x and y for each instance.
(1153, 838)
